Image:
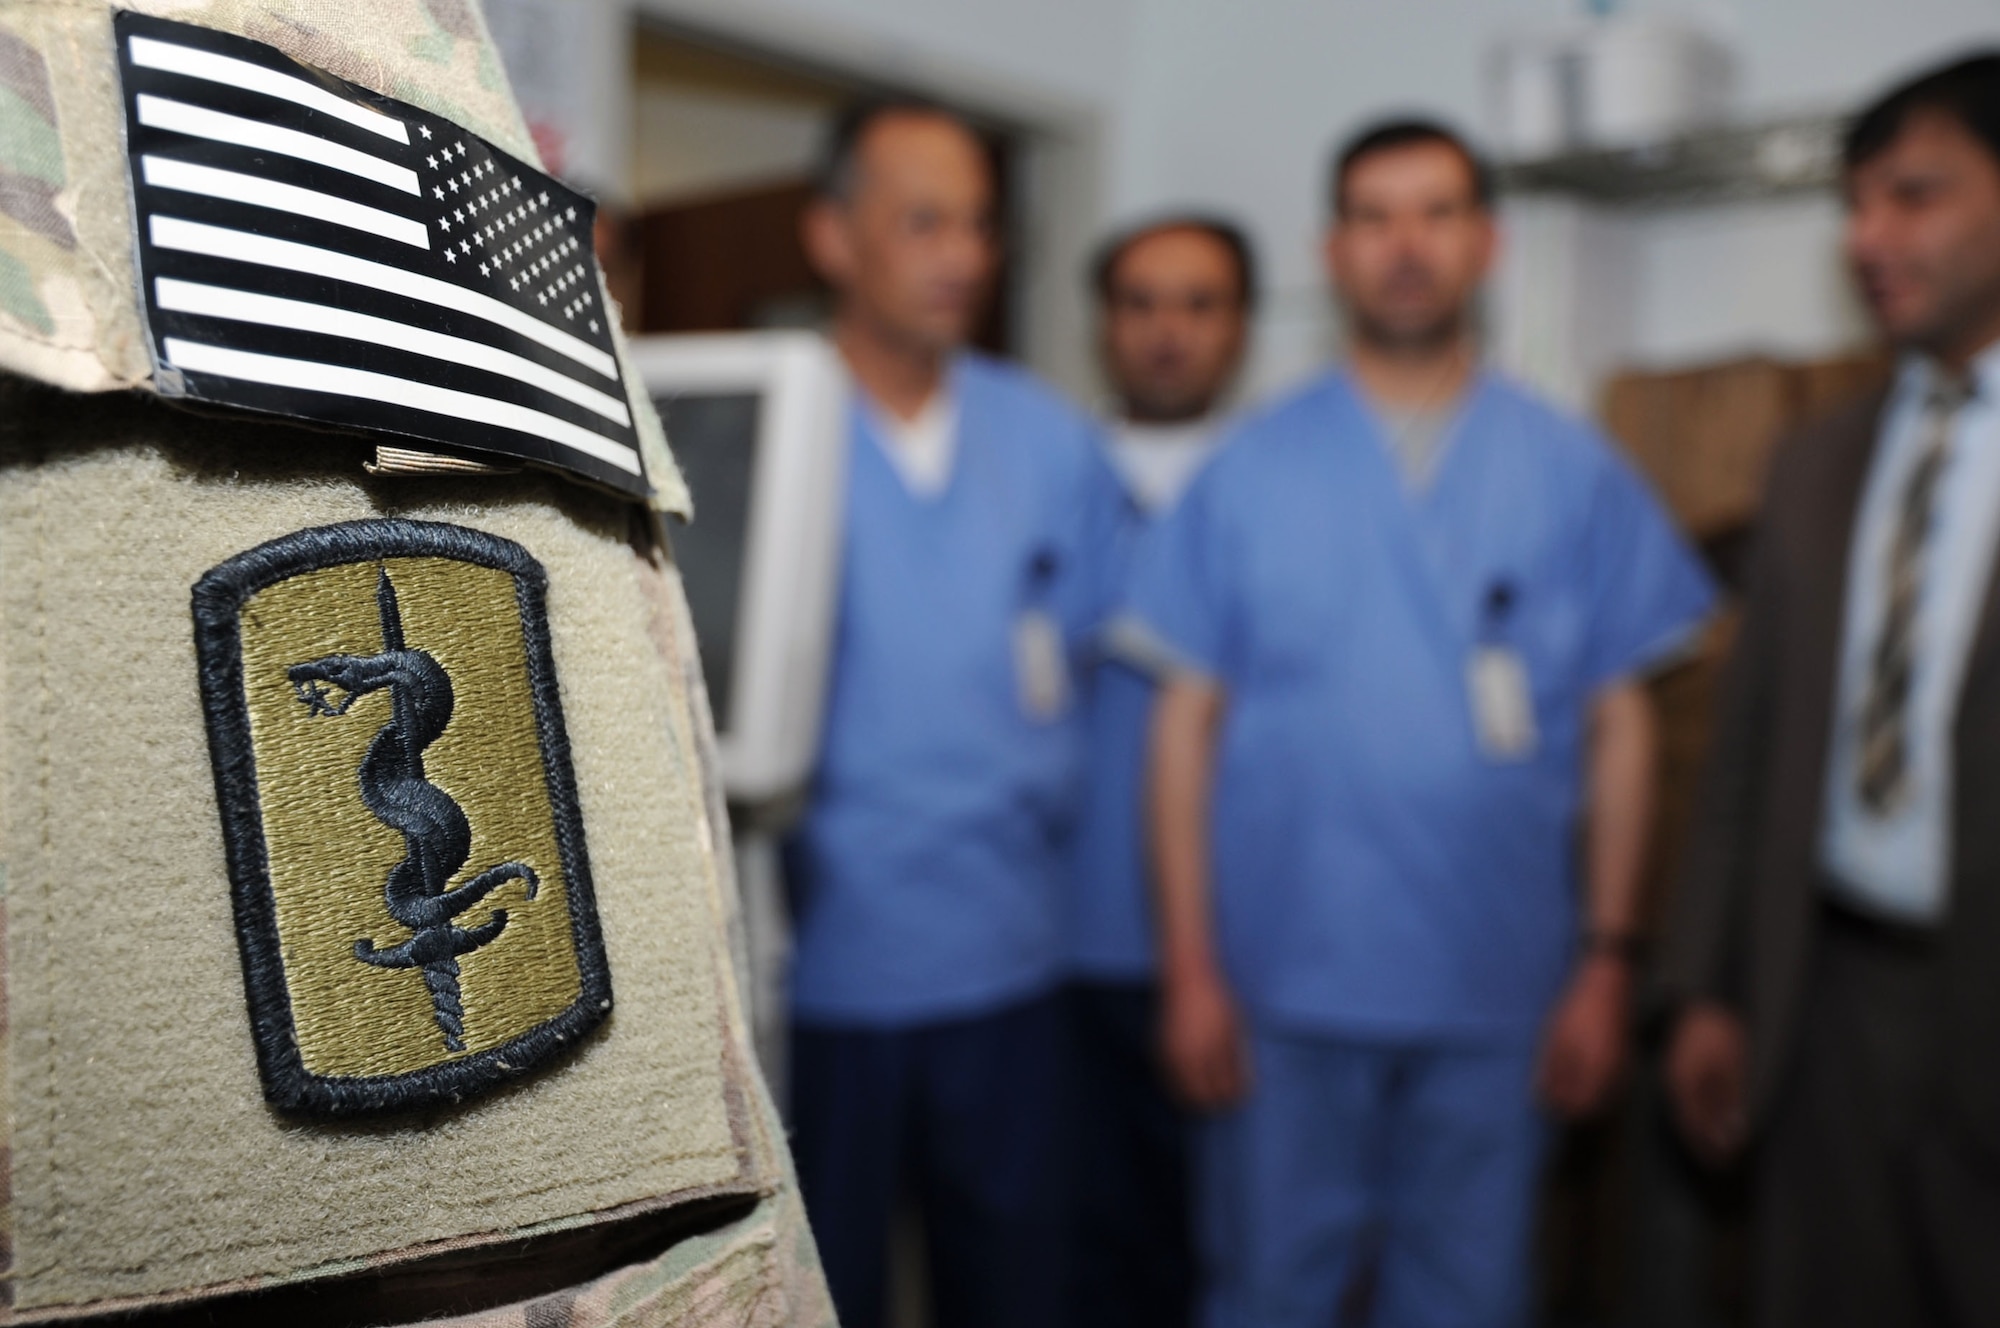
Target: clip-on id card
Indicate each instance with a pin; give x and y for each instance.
(1496, 684)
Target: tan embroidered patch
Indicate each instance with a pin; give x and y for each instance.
(411, 890)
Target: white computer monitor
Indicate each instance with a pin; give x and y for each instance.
(757, 421)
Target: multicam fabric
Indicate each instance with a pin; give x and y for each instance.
(70, 313)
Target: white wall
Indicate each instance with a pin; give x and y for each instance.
(1567, 298)
(1807, 53)
(1056, 65)
(1070, 49)
(693, 142)
(570, 63)
(1726, 280)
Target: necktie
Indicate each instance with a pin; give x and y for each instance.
(1884, 768)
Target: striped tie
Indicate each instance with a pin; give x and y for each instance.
(1884, 774)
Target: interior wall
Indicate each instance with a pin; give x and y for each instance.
(1074, 50)
(1564, 304)
(569, 62)
(705, 124)
(1728, 280)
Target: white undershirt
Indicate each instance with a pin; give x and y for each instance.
(1157, 461)
(922, 449)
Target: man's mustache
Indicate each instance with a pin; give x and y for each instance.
(1411, 276)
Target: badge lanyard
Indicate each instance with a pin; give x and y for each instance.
(1040, 667)
(1503, 705)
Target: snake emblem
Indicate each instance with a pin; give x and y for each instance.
(434, 827)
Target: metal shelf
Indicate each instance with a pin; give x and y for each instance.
(1737, 163)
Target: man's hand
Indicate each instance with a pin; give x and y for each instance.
(1584, 1047)
(1201, 1039)
(1708, 1071)
(1584, 1052)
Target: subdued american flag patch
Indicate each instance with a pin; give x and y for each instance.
(312, 248)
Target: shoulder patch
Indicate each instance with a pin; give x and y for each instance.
(406, 854)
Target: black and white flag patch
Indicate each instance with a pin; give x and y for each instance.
(314, 249)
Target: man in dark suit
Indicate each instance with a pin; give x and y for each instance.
(1835, 960)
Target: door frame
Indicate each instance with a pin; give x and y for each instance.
(1056, 191)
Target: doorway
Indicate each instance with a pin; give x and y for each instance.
(724, 148)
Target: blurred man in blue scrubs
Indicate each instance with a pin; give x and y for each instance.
(1413, 606)
(927, 1053)
(1174, 301)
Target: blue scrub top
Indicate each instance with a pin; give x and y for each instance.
(1375, 873)
(1111, 931)
(1111, 922)
(928, 870)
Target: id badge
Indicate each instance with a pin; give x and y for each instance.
(1040, 666)
(1503, 708)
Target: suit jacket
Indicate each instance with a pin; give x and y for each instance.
(1745, 918)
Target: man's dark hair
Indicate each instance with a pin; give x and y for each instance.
(834, 176)
(1388, 135)
(1104, 267)
(1967, 89)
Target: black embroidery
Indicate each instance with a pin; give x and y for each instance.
(395, 790)
(433, 826)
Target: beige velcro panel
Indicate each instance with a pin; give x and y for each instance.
(145, 1165)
